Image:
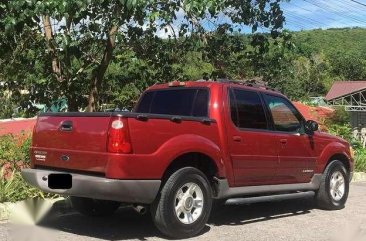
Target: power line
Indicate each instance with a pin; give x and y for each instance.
(310, 11)
(355, 9)
(301, 18)
(332, 7)
(296, 23)
(358, 3)
(345, 8)
(300, 22)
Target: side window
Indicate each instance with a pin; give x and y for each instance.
(200, 107)
(173, 102)
(285, 116)
(249, 110)
(145, 102)
(233, 109)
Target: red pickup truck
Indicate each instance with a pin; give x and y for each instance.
(185, 145)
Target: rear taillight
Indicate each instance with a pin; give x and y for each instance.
(118, 136)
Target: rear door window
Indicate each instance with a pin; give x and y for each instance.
(183, 102)
(247, 109)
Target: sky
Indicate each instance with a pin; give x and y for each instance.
(324, 14)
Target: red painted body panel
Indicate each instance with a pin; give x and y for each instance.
(244, 157)
(297, 158)
(85, 145)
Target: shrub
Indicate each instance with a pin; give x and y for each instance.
(338, 125)
(13, 189)
(360, 160)
(14, 155)
(342, 130)
(14, 149)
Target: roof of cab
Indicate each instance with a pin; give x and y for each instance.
(209, 83)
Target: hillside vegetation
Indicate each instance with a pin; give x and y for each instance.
(331, 41)
(320, 57)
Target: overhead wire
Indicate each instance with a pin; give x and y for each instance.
(354, 9)
(310, 11)
(357, 2)
(324, 6)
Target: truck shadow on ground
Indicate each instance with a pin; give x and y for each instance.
(127, 224)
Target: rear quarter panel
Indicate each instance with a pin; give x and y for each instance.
(157, 142)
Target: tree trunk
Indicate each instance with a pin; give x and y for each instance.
(56, 70)
(99, 72)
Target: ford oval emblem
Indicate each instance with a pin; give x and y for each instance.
(64, 158)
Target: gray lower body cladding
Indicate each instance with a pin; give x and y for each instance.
(224, 191)
(129, 191)
(145, 191)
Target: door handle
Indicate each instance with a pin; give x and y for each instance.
(66, 126)
(237, 138)
(283, 141)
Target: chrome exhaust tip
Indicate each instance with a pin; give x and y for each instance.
(140, 209)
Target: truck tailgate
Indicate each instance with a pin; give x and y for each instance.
(71, 142)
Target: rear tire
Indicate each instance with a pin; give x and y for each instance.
(94, 207)
(184, 204)
(334, 187)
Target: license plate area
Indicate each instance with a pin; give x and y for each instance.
(59, 181)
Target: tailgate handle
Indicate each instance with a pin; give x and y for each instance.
(66, 126)
(142, 117)
(176, 119)
(206, 121)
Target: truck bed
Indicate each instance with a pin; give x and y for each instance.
(84, 147)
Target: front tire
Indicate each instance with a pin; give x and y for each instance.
(184, 204)
(334, 187)
(94, 207)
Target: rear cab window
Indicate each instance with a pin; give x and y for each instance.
(183, 102)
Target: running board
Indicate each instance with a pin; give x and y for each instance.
(271, 198)
(224, 191)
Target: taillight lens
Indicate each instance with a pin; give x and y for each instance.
(118, 136)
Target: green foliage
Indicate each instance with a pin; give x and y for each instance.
(14, 149)
(338, 124)
(360, 160)
(14, 155)
(6, 108)
(301, 64)
(344, 131)
(319, 58)
(15, 189)
(87, 38)
(340, 116)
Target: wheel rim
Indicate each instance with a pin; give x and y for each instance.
(337, 186)
(189, 203)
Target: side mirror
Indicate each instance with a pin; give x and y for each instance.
(311, 126)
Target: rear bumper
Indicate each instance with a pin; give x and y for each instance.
(130, 191)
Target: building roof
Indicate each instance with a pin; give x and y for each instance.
(342, 88)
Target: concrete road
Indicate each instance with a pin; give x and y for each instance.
(285, 220)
